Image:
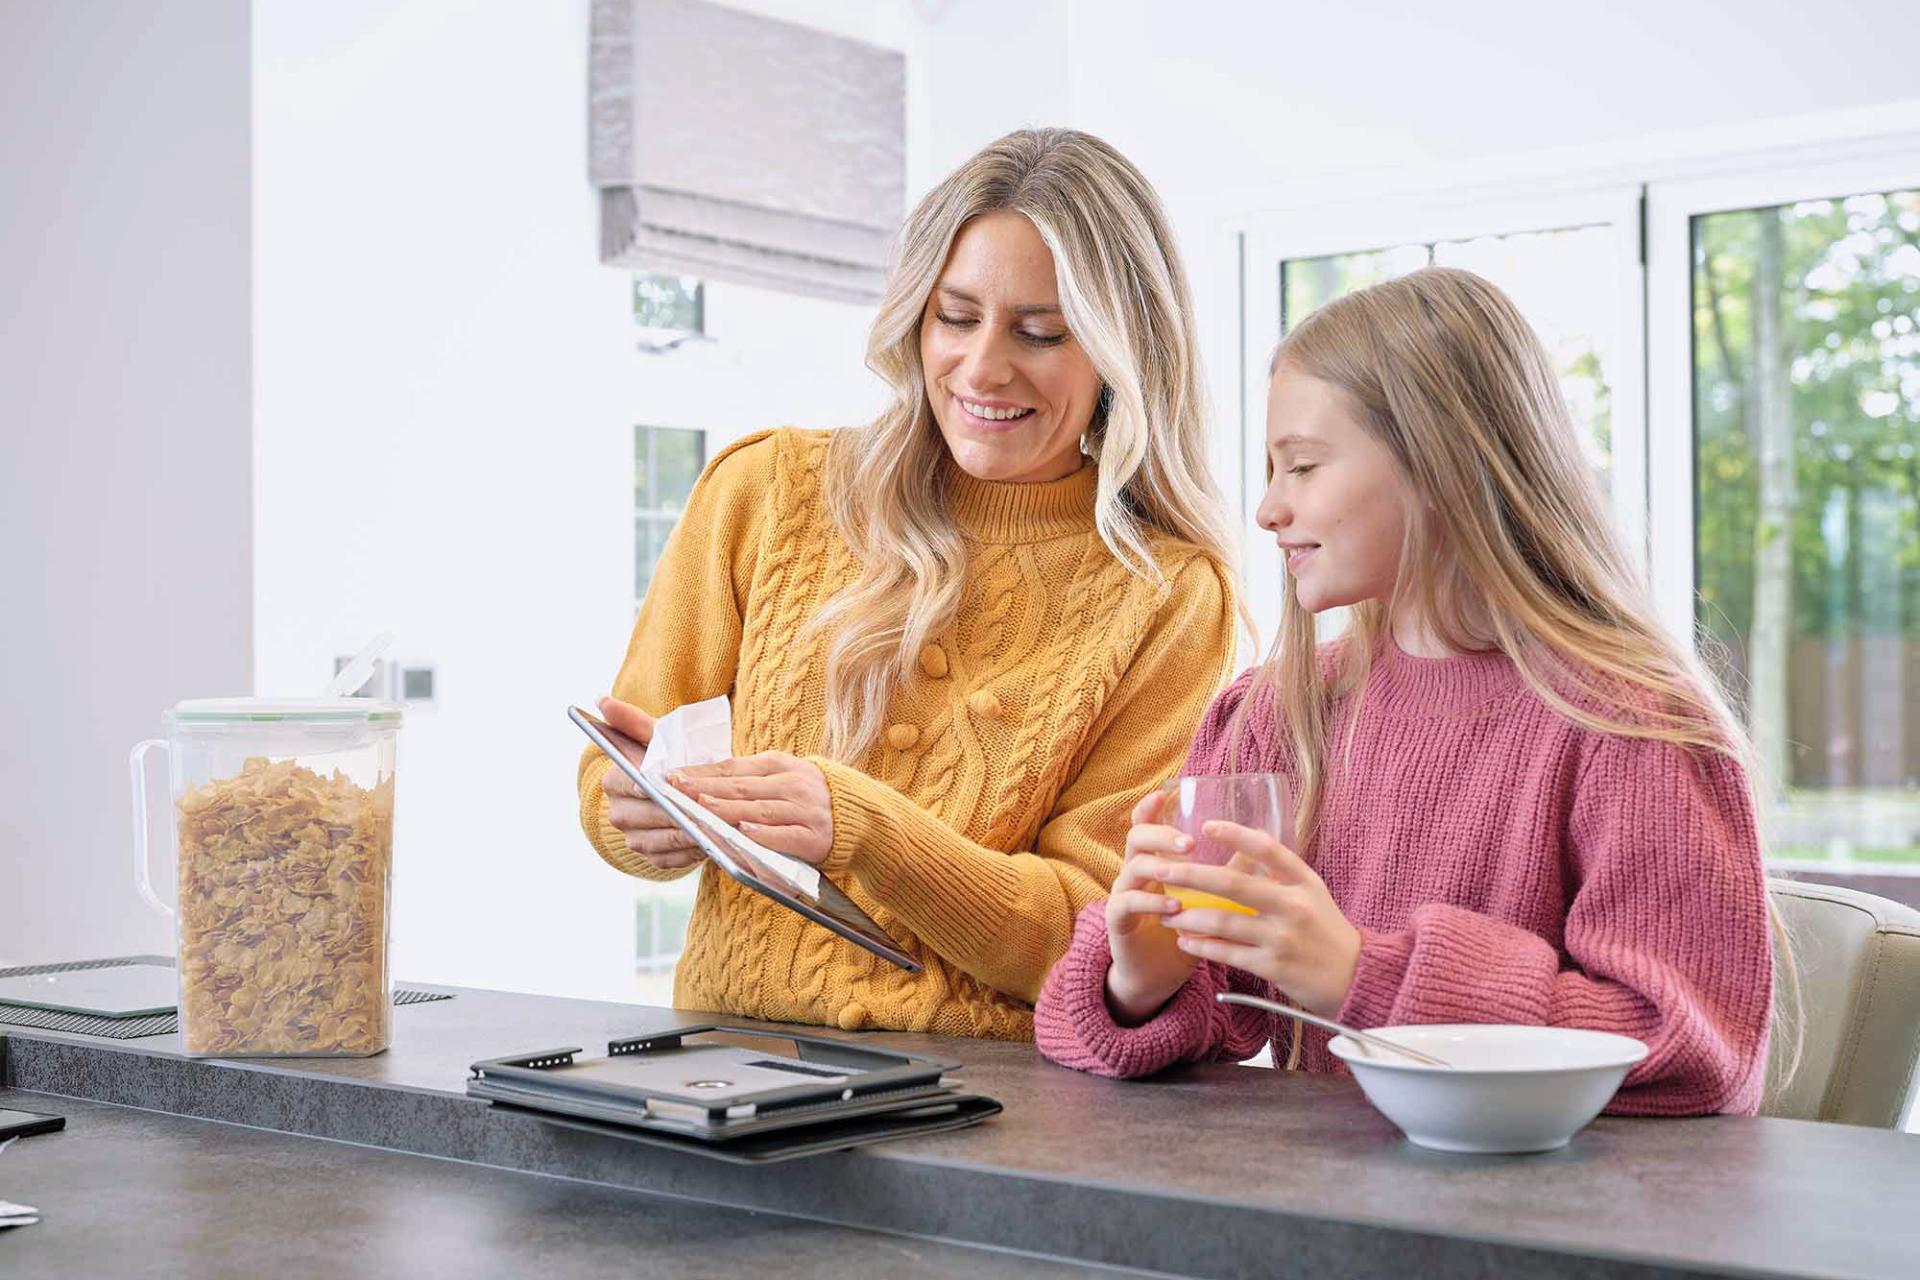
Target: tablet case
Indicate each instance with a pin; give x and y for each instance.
(673, 1093)
(804, 1140)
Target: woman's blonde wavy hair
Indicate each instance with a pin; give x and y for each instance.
(1508, 542)
(1124, 297)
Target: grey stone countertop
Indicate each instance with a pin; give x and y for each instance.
(1209, 1171)
(126, 1192)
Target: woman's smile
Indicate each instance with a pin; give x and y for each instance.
(984, 414)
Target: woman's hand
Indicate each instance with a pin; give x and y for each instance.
(1299, 940)
(649, 832)
(779, 800)
(1148, 966)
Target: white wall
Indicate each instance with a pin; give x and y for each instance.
(125, 491)
(447, 391)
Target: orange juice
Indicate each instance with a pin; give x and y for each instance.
(1193, 899)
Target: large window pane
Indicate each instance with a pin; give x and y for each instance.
(1563, 280)
(669, 304)
(666, 462)
(677, 459)
(1807, 414)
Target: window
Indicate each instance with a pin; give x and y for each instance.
(1571, 263)
(1560, 278)
(1742, 352)
(660, 926)
(670, 304)
(666, 462)
(1806, 413)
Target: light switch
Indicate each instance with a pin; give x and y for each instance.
(416, 684)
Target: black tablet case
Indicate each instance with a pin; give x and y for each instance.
(891, 1095)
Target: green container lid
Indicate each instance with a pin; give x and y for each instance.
(219, 711)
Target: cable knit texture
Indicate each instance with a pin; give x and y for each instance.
(995, 803)
(1503, 865)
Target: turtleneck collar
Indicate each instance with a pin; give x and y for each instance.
(1003, 512)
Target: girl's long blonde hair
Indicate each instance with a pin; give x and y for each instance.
(1508, 540)
(1124, 297)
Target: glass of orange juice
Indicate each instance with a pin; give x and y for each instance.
(1261, 801)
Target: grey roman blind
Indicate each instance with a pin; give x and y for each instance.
(735, 147)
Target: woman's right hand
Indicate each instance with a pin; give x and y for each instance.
(649, 832)
(1148, 965)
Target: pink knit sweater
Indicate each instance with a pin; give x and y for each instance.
(1503, 865)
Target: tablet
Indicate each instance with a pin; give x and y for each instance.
(813, 896)
(118, 991)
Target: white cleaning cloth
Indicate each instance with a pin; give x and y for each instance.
(702, 733)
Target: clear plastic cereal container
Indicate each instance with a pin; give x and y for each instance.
(283, 836)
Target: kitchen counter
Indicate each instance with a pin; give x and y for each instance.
(1216, 1171)
(126, 1192)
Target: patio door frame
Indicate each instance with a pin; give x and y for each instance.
(1376, 222)
(1880, 164)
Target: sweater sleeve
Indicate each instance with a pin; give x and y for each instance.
(1666, 937)
(1075, 1027)
(1006, 917)
(685, 645)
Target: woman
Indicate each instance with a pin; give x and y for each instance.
(961, 641)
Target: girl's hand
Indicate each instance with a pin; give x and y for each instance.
(1299, 940)
(779, 800)
(649, 832)
(1148, 966)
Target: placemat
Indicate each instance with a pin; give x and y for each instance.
(158, 1024)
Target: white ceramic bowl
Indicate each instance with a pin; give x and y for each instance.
(1509, 1088)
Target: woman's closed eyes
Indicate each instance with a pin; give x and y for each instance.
(1025, 335)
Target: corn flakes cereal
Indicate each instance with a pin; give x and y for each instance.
(283, 913)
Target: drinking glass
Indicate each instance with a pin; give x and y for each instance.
(1261, 801)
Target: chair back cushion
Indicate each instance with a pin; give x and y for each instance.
(1858, 958)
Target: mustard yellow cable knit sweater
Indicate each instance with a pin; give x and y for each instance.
(995, 805)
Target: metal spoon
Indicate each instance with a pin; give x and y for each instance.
(1359, 1037)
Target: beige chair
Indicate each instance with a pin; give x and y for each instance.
(1858, 957)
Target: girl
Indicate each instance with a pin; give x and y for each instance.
(1518, 801)
(960, 639)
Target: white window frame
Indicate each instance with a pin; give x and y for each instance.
(1883, 164)
(1350, 226)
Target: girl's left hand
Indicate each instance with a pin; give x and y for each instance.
(779, 800)
(1300, 941)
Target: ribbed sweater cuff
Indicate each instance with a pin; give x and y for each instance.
(1453, 965)
(917, 866)
(1377, 978)
(976, 907)
(1073, 1025)
(863, 836)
